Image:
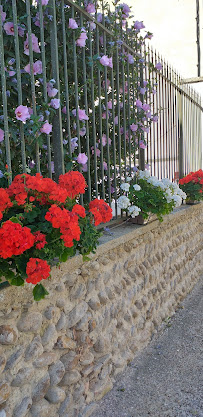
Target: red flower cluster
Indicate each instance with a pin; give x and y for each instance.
(196, 177)
(45, 190)
(36, 270)
(79, 210)
(66, 221)
(101, 211)
(14, 239)
(40, 239)
(73, 182)
(5, 201)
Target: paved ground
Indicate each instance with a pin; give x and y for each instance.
(166, 379)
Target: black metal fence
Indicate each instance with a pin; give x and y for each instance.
(85, 83)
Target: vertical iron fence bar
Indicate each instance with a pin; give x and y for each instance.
(4, 99)
(154, 135)
(128, 106)
(65, 59)
(118, 107)
(141, 151)
(157, 134)
(76, 83)
(19, 86)
(93, 114)
(57, 136)
(100, 115)
(87, 123)
(114, 140)
(107, 115)
(123, 108)
(32, 77)
(41, 19)
(168, 121)
(180, 139)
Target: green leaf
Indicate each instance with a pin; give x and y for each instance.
(15, 220)
(17, 281)
(69, 166)
(85, 258)
(39, 292)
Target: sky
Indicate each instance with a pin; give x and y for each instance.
(173, 25)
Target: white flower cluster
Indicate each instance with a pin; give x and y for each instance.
(125, 186)
(136, 187)
(134, 211)
(173, 192)
(123, 202)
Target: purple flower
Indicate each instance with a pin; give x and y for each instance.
(74, 144)
(37, 68)
(84, 167)
(125, 9)
(81, 114)
(44, 2)
(134, 127)
(158, 66)
(82, 39)
(142, 91)
(72, 24)
(110, 104)
(99, 17)
(138, 25)
(138, 103)
(1, 135)
(92, 26)
(82, 158)
(116, 120)
(9, 28)
(130, 59)
(146, 107)
(46, 128)
(155, 119)
(106, 62)
(3, 14)
(135, 169)
(90, 8)
(145, 83)
(105, 166)
(64, 110)
(22, 113)
(55, 103)
(35, 45)
(51, 91)
(83, 131)
(1, 174)
(142, 145)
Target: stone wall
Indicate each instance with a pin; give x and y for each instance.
(61, 355)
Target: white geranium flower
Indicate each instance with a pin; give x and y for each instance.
(134, 211)
(177, 200)
(154, 181)
(125, 186)
(123, 202)
(136, 187)
(166, 182)
(128, 179)
(144, 174)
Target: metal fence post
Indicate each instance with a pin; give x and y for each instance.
(141, 151)
(180, 137)
(57, 136)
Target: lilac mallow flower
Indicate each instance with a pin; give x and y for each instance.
(37, 68)
(146, 107)
(74, 144)
(44, 2)
(1, 135)
(106, 62)
(90, 8)
(22, 113)
(130, 59)
(81, 114)
(46, 128)
(138, 103)
(158, 66)
(55, 103)
(134, 127)
(35, 45)
(3, 14)
(9, 28)
(82, 158)
(72, 24)
(81, 41)
(138, 25)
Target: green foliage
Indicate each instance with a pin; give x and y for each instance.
(39, 292)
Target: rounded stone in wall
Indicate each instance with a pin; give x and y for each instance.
(8, 335)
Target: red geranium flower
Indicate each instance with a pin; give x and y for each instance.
(40, 239)
(5, 201)
(101, 211)
(73, 182)
(80, 210)
(14, 239)
(36, 270)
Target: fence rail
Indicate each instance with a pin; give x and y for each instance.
(80, 70)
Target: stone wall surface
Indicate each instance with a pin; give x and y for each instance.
(60, 355)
